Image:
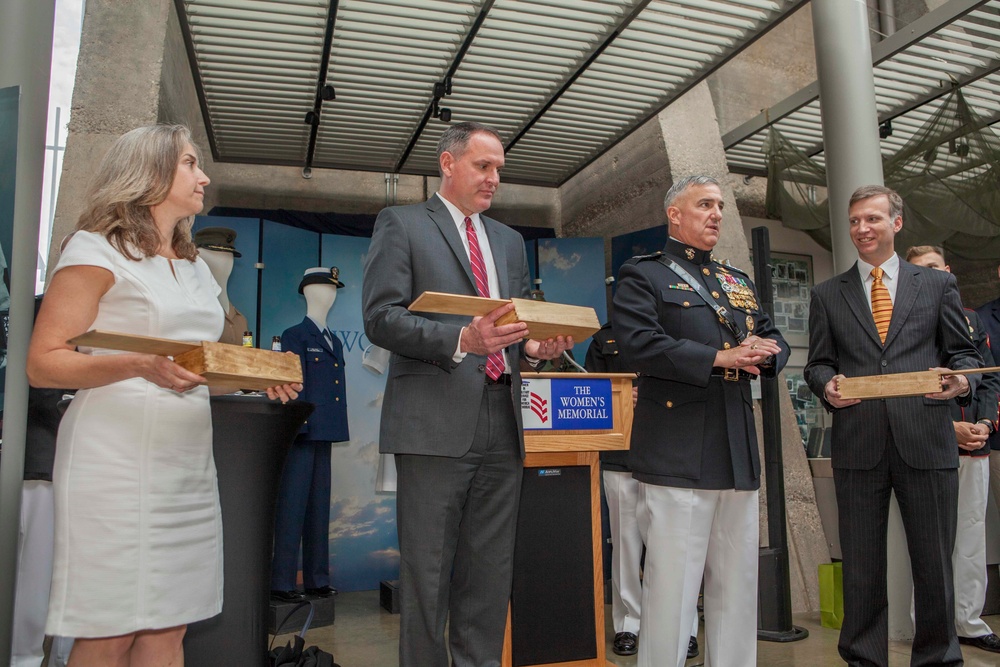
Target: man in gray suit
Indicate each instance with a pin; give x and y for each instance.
(881, 316)
(451, 413)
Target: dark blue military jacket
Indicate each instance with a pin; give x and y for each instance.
(984, 404)
(692, 428)
(603, 357)
(323, 383)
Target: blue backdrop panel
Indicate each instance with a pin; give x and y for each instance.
(288, 252)
(363, 545)
(242, 287)
(642, 242)
(572, 271)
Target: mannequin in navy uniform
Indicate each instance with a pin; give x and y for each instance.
(694, 444)
(303, 511)
(216, 247)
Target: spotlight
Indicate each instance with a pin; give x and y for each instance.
(312, 118)
(885, 130)
(446, 115)
(327, 92)
(962, 150)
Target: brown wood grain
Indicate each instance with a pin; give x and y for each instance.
(236, 367)
(110, 340)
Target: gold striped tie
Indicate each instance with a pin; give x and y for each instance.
(881, 303)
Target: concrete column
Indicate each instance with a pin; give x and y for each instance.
(850, 119)
(118, 83)
(25, 60)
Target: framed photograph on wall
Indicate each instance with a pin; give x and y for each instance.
(792, 278)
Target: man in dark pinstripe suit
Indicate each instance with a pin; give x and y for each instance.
(903, 445)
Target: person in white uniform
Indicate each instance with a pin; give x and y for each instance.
(138, 530)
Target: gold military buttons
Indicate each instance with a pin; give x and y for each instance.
(337, 398)
(715, 295)
(670, 404)
(687, 304)
(706, 272)
(726, 346)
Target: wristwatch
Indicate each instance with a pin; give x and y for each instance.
(989, 425)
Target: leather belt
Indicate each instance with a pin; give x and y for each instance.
(731, 374)
(504, 379)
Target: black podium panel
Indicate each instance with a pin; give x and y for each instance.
(251, 436)
(552, 601)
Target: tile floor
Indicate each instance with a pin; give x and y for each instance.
(365, 635)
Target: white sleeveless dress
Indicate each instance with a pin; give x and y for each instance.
(138, 529)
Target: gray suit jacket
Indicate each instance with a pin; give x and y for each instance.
(431, 403)
(928, 329)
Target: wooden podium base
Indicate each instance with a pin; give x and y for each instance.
(555, 449)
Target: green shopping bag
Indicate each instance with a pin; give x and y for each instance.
(831, 595)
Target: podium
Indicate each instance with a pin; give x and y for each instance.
(556, 614)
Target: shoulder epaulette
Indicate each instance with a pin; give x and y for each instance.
(734, 268)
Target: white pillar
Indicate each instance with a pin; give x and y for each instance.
(25, 60)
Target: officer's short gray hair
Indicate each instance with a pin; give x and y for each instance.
(683, 184)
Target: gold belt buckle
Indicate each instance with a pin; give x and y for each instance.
(730, 374)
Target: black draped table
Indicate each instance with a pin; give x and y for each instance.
(251, 437)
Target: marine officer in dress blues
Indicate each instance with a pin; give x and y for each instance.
(693, 329)
(303, 509)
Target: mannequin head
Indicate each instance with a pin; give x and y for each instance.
(220, 263)
(319, 300)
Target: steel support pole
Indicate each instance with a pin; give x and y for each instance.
(850, 119)
(25, 60)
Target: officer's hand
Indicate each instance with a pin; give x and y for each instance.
(163, 372)
(971, 436)
(484, 337)
(831, 394)
(284, 392)
(746, 357)
(548, 349)
(951, 386)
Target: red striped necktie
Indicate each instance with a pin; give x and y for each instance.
(881, 303)
(494, 362)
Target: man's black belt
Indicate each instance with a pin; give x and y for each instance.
(731, 374)
(504, 379)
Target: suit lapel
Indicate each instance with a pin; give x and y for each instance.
(439, 213)
(854, 293)
(499, 254)
(906, 295)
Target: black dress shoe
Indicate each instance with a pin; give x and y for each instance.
(625, 643)
(692, 648)
(988, 642)
(322, 591)
(286, 596)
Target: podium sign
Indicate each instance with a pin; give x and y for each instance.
(574, 403)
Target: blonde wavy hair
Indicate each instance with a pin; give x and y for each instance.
(136, 174)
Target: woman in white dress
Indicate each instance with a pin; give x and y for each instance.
(138, 534)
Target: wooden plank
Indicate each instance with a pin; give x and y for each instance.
(545, 320)
(110, 340)
(892, 385)
(455, 304)
(560, 441)
(235, 367)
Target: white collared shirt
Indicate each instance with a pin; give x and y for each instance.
(890, 277)
(484, 247)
